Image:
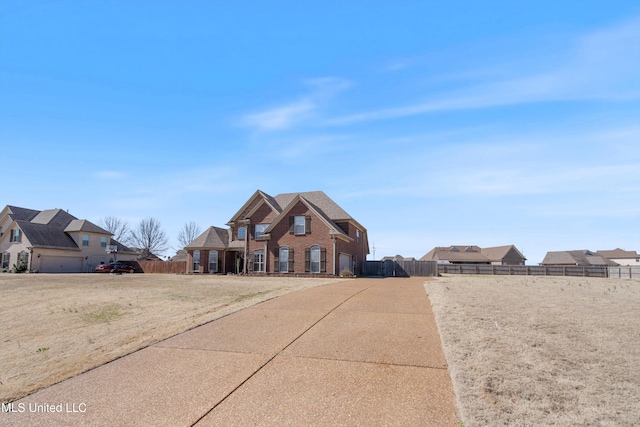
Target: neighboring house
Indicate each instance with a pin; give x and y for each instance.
(181, 255)
(145, 255)
(397, 258)
(580, 258)
(54, 241)
(504, 255)
(293, 233)
(499, 255)
(621, 257)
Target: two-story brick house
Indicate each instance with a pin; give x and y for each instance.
(54, 241)
(293, 233)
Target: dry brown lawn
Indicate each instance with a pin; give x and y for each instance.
(56, 326)
(539, 351)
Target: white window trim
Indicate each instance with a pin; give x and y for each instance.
(196, 260)
(215, 263)
(296, 225)
(318, 263)
(285, 261)
(260, 262)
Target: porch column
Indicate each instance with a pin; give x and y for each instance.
(189, 262)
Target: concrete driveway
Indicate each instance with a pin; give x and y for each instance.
(363, 352)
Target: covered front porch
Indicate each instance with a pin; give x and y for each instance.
(214, 261)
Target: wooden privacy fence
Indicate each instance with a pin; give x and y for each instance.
(390, 268)
(523, 270)
(164, 267)
(431, 268)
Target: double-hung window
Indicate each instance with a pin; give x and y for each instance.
(213, 262)
(16, 235)
(283, 256)
(85, 240)
(196, 260)
(315, 259)
(5, 259)
(103, 242)
(299, 225)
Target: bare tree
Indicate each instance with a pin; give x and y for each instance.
(189, 232)
(117, 227)
(149, 237)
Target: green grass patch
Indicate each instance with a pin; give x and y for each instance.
(104, 314)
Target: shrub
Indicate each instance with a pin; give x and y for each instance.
(20, 267)
(346, 273)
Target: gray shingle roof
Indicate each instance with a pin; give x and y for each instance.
(319, 199)
(18, 213)
(580, 257)
(45, 236)
(54, 217)
(213, 237)
(122, 249)
(618, 254)
(84, 225)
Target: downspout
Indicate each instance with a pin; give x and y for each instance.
(334, 254)
(266, 260)
(247, 227)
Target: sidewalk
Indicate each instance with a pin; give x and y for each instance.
(355, 353)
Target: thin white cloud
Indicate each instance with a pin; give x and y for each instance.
(110, 175)
(282, 117)
(603, 65)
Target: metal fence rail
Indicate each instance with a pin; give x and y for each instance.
(624, 272)
(390, 268)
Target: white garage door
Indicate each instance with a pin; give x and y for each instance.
(59, 264)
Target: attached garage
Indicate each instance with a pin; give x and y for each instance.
(60, 264)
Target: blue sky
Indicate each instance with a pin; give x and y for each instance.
(431, 123)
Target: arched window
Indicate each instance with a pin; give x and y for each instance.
(315, 259)
(213, 262)
(5, 260)
(196, 260)
(283, 256)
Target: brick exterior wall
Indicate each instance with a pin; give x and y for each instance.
(317, 235)
(281, 236)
